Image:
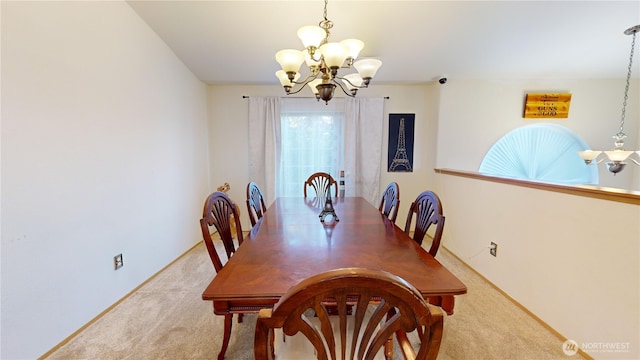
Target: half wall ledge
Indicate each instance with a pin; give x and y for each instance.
(604, 193)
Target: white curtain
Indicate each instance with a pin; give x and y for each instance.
(312, 136)
(363, 147)
(264, 144)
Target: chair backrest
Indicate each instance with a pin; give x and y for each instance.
(428, 211)
(397, 306)
(219, 212)
(321, 182)
(255, 203)
(390, 201)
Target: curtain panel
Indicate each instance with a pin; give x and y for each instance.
(363, 147)
(264, 144)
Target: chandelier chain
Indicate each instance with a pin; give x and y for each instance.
(626, 89)
(326, 24)
(325, 9)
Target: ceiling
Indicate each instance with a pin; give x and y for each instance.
(234, 42)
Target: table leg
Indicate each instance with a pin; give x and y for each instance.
(448, 303)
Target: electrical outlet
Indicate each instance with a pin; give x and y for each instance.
(117, 262)
(493, 250)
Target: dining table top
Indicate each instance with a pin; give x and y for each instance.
(290, 243)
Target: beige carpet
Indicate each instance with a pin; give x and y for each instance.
(166, 319)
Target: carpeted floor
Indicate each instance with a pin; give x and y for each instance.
(167, 319)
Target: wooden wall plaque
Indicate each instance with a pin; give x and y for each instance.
(547, 106)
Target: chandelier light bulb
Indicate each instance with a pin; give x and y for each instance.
(618, 154)
(311, 36)
(367, 68)
(290, 60)
(284, 78)
(334, 54)
(589, 155)
(354, 46)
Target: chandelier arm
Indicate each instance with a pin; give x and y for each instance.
(635, 161)
(348, 62)
(306, 80)
(339, 83)
(350, 83)
(319, 60)
(297, 91)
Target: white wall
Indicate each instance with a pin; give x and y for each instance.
(571, 260)
(475, 114)
(228, 135)
(104, 151)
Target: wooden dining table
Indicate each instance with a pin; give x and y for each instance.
(290, 243)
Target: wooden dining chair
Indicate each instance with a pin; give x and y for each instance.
(427, 209)
(301, 314)
(255, 203)
(219, 213)
(390, 201)
(321, 182)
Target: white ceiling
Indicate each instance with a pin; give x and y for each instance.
(234, 42)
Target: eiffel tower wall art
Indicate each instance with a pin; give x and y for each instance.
(401, 130)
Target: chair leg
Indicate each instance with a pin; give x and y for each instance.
(228, 321)
(445, 302)
(388, 346)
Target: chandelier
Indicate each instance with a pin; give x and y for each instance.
(616, 157)
(324, 59)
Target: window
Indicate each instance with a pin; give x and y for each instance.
(542, 152)
(312, 140)
(291, 138)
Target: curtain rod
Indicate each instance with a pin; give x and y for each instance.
(301, 97)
